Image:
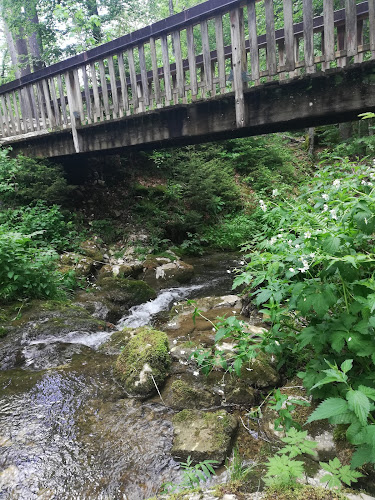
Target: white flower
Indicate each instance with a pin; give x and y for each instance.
(363, 182)
(275, 192)
(349, 339)
(291, 269)
(290, 242)
(307, 234)
(279, 235)
(196, 374)
(333, 214)
(372, 175)
(312, 255)
(336, 183)
(263, 206)
(273, 240)
(297, 246)
(366, 221)
(369, 183)
(325, 196)
(325, 208)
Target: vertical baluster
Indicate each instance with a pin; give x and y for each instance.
(329, 33)
(288, 35)
(179, 68)
(98, 109)
(144, 79)
(47, 100)
(86, 89)
(54, 101)
(308, 35)
(11, 123)
(270, 36)
(359, 57)
(281, 49)
(155, 73)
(174, 91)
(112, 79)
(371, 15)
(192, 63)
(236, 18)
(166, 69)
(124, 86)
(103, 84)
(141, 107)
(213, 93)
(206, 56)
(77, 85)
(133, 79)
(341, 45)
(16, 112)
(253, 40)
(4, 131)
(351, 27)
(26, 110)
(34, 108)
(62, 100)
(73, 107)
(40, 97)
(220, 53)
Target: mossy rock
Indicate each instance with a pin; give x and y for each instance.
(203, 436)
(180, 395)
(301, 492)
(145, 359)
(115, 345)
(260, 372)
(83, 266)
(91, 249)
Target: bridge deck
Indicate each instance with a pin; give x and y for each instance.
(216, 48)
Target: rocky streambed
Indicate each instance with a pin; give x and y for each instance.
(81, 417)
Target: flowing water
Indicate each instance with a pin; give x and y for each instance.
(68, 432)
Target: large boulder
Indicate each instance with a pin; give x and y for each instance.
(203, 436)
(82, 265)
(144, 362)
(162, 272)
(91, 249)
(260, 372)
(113, 297)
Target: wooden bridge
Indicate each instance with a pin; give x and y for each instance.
(224, 68)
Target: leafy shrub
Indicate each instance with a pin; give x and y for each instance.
(26, 180)
(47, 224)
(232, 232)
(27, 271)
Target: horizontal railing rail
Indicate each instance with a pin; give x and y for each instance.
(214, 48)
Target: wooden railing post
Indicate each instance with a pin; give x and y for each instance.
(236, 20)
(73, 108)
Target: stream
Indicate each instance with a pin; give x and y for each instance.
(69, 432)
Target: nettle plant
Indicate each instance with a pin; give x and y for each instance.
(311, 271)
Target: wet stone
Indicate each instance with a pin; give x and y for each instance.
(203, 436)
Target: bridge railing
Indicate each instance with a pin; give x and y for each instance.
(216, 47)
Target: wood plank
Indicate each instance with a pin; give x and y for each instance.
(192, 62)
(77, 88)
(40, 97)
(289, 35)
(73, 108)
(179, 67)
(98, 109)
(155, 73)
(62, 100)
(237, 62)
(56, 109)
(47, 100)
(329, 31)
(358, 58)
(166, 69)
(10, 115)
(308, 35)
(281, 49)
(133, 79)
(16, 113)
(104, 88)
(144, 78)
(112, 79)
(341, 45)
(371, 15)
(351, 27)
(271, 39)
(253, 41)
(86, 89)
(220, 53)
(206, 55)
(123, 82)
(34, 108)
(4, 131)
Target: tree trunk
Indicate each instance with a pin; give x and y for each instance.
(92, 10)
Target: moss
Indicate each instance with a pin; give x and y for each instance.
(301, 492)
(146, 354)
(126, 290)
(185, 396)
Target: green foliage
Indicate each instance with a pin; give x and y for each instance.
(192, 475)
(231, 232)
(25, 180)
(27, 271)
(338, 474)
(237, 471)
(284, 405)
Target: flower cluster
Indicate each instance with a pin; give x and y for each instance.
(263, 206)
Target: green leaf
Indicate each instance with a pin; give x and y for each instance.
(331, 244)
(347, 365)
(360, 404)
(329, 408)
